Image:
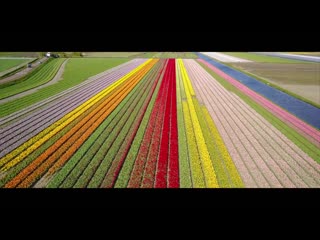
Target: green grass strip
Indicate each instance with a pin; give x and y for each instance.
(6, 64)
(20, 54)
(41, 77)
(305, 145)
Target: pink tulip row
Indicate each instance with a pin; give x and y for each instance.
(263, 156)
(296, 122)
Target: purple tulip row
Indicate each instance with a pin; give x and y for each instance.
(50, 100)
(18, 132)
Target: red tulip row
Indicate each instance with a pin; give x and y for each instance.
(144, 150)
(117, 163)
(156, 164)
(168, 156)
(158, 136)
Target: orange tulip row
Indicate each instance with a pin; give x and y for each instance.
(65, 146)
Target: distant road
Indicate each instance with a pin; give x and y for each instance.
(291, 56)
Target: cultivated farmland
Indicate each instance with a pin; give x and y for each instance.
(6, 64)
(161, 122)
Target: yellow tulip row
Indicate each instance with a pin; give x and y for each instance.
(222, 149)
(195, 163)
(185, 173)
(197, 178)
(207, 167)
(35, 142)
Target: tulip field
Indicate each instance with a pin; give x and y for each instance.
(158, 123)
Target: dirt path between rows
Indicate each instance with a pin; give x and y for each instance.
(54, 80)
(24, 72)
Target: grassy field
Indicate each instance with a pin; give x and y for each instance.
(36, 78)
(38, 54)
(105, 54)
(146, 55)
(67, 54)
(76, 71)
(20, 54)
(317, 54)
(299, 80)
(6, 64)
(110, 54)
(261, 58)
